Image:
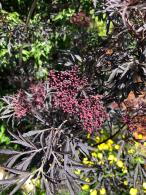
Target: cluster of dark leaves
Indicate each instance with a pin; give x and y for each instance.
(125, 67)
(56, 151)
(53, 153)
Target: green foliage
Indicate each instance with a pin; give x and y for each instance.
(49, 31)
(64, 15)
(4, 139)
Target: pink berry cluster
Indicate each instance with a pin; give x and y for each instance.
(20, 104)
(23, 103)
(67, 95)
(67, 86)
(92, 113)
(38, 95)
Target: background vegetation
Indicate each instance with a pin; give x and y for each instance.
(72, 87)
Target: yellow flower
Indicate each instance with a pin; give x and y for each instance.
(94, 154)
(87, 179)
(110, 142)
(144, 185)
(144, 144)
(124, 170)
(88, 135)
(100, 155)
(103, 146)
(102, 131)
(110, 148)
(140, 136)
(93, 192)
(77, 172)
(101, 162)
(86, 161)
(85, 187)
(111, 157)
(120, 164)
(117, 147)
(133, 191)
(102, 191)
(97, 139)
(90, 163)
(125, 182)
(131, 151)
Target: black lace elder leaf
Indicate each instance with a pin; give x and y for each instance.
(16, 178)
(19, 185)
(11, 161)
(48, 188)
(70, 185)
(26, 162)
(127, 77)
(9, 152)
(49, 157)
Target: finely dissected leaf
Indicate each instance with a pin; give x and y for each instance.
(144, 172)
(84, 167)
(31, 133)
(112, 76)
(70, 186)
(47, 187)
(6, 151)
(136, 174)
(16, 171)
(11, 161)
(27, 140)
(25, 162)
(66, 156)
(18, 186)
(22, 141)
(74, 151)
(7, 111)
(9, 181)
(14, 136)
(84, 148)
(49, 145)
(6, 116)
(126, 70)
(23, 144)
(42, 141)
